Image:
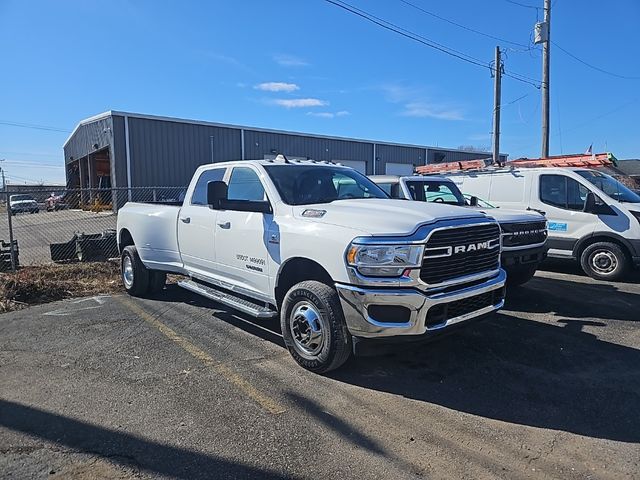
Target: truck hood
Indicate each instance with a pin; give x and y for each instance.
(505, 215)
(377, 216)
(23, 203)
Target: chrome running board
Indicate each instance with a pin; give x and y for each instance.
(228, 299)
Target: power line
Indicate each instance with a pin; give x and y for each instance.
(35, 127)
(462, 26)
(522, 4)
(425, 41)
(602, 70)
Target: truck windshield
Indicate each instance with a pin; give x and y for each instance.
(308, 184)
(610, 186)
(439, 191)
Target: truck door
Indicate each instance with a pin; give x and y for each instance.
(196, 226)
(241, 236)
(562, 199)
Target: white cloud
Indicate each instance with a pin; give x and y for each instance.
(341, 113)
(277, 87)
(321, 114)
(424, 109)
(299, 102)
(290, 61)
(416, 102)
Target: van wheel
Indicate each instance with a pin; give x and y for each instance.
(313, 327)
(605, 261)
(157, 280)
(135, 276)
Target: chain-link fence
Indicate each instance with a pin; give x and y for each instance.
(67, 225)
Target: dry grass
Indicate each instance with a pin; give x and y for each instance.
(48, 283)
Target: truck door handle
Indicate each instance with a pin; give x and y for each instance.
(225, 225)
(185, 219)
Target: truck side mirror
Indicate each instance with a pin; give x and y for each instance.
(590, 203)
(473, 201)
(216, 194)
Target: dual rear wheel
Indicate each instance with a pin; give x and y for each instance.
(137, 279)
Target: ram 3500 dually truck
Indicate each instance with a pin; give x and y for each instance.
(321, 246)
(524, 233)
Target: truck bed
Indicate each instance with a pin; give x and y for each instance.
(154, 227)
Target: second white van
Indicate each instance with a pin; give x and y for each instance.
(593, 218)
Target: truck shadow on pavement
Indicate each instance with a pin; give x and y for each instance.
(518, 371)
(565, 298)
(571, 267)
(547, 375)
(123, 448)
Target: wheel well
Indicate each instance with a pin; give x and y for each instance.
(125, 239)
(601, 238)
(297, 270)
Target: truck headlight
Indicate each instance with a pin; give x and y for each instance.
(384, 260)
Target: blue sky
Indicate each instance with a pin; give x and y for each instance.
(309, 66)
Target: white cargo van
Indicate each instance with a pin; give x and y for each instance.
(593, 218)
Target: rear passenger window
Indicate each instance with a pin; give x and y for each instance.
(245, 184)
(562, 192)
(199, 196)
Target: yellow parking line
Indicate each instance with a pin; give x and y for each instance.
(269, 404)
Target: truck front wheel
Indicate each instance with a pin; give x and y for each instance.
(313, 327)
(520, 275)
(135, 276)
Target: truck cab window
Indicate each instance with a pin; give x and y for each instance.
(436, 191)
(562, 192)
(199, 196)
(245, 184)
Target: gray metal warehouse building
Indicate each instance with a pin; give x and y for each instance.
(122, 150)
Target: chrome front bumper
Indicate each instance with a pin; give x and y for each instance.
(357, 300)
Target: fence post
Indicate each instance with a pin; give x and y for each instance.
(12, 249)
(154, 195)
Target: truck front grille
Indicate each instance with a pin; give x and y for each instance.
(441, 313)
(457, 252)
(523, 234)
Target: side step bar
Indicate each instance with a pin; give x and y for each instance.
(228, 299)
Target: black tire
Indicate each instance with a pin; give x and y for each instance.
(157, 281)
(311, 298)
(520, 275)
(138, 284)
(605, 261)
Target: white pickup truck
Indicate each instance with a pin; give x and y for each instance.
(321, 246)
(524, 233)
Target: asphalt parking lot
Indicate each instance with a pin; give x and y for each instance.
(176, 387)
(35, 232)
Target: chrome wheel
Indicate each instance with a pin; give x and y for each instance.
(127, 271)
(604, 262)
(307, 329)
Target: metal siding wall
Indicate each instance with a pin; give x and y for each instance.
(398, 154)
(81, 144)
(119, 153)
(167, 153)
(257, 144)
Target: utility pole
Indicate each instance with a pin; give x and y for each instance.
(497, 93)
(545, 79)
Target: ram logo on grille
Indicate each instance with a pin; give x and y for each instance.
(474, 247)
